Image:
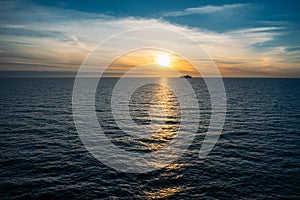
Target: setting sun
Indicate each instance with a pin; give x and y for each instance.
(163, 60)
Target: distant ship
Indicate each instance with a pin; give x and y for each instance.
(186, 76)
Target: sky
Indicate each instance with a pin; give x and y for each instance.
(243, 38)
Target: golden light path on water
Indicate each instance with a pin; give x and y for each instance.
(164, 113)
(169, 109)
(164, 191)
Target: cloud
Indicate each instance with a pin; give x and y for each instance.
(204, 10)
(55, 39)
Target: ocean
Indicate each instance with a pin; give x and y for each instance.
(256, 157)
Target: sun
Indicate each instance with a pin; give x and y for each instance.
(163, 60)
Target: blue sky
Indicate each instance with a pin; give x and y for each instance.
(253, 13)
(245, 38)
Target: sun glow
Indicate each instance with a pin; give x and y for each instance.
(163, 60)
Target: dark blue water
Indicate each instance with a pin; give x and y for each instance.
(257, 155)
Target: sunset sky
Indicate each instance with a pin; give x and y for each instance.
(243, 38)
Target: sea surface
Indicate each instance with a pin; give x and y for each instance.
(256, 157)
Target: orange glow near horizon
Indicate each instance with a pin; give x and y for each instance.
(162, 64)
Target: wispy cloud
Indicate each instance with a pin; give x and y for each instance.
(51, 39)
(204, 10)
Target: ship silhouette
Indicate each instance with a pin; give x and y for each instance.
(186, 76)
